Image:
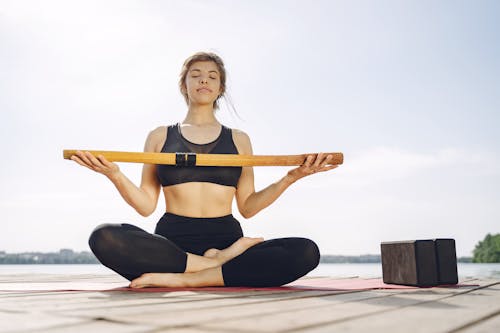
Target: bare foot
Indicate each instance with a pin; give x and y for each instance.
(159, 280)
(237, 248)
(211, 277)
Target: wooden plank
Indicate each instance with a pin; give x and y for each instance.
(432, 315)
(60, 285)
(192, 304)
(484, 325)
(47, 277)
(103, 300)
(182, 314)
(22, 321)
(99, 302)
(289, 318)
(187, 330)
(84, 301)
(253, 311)
(97, 326)
(119, 310)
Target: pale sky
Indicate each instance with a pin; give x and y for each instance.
(409, 91)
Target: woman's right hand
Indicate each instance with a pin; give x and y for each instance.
(314, 163)
(98, 164)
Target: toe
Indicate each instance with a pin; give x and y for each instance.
(211, 253)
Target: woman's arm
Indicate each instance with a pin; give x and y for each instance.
(143, 198)
(251, 202)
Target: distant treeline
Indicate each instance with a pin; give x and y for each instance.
(488, 250)
(338, 259)
(64, 256)
(67, 256)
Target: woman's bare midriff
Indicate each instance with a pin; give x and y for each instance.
(198, 199)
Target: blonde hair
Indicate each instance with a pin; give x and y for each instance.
(203, 56)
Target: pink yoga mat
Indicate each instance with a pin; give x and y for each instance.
(306, 284)
(327, 284)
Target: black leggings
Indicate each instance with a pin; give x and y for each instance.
(131, 251)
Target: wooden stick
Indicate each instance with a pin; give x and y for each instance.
(205, 159)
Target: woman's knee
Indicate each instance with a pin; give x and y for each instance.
(308, 254)
(104, 234)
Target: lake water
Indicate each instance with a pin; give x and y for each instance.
(375, 270)
(334, 270)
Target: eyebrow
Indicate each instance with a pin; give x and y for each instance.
(199, 70)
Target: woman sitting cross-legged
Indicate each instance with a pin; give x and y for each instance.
(198, 242)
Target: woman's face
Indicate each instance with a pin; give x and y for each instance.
(203, 82)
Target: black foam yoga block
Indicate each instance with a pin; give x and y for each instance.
(446, 260)
(409, 263)
(422, 263)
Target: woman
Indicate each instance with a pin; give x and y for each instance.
(197, 242)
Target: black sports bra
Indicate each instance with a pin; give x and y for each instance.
(176, 143)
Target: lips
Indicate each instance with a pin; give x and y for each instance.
(206, 90)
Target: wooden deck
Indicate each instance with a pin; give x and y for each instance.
(465, 309)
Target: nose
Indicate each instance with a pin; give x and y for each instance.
(203, 80)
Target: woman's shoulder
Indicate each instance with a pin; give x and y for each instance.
(156, 138)
(242, 141)
(158, 132)
(239, 134)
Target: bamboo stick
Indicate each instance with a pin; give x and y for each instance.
(206, 159)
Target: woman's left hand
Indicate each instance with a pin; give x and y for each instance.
(313, 164)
